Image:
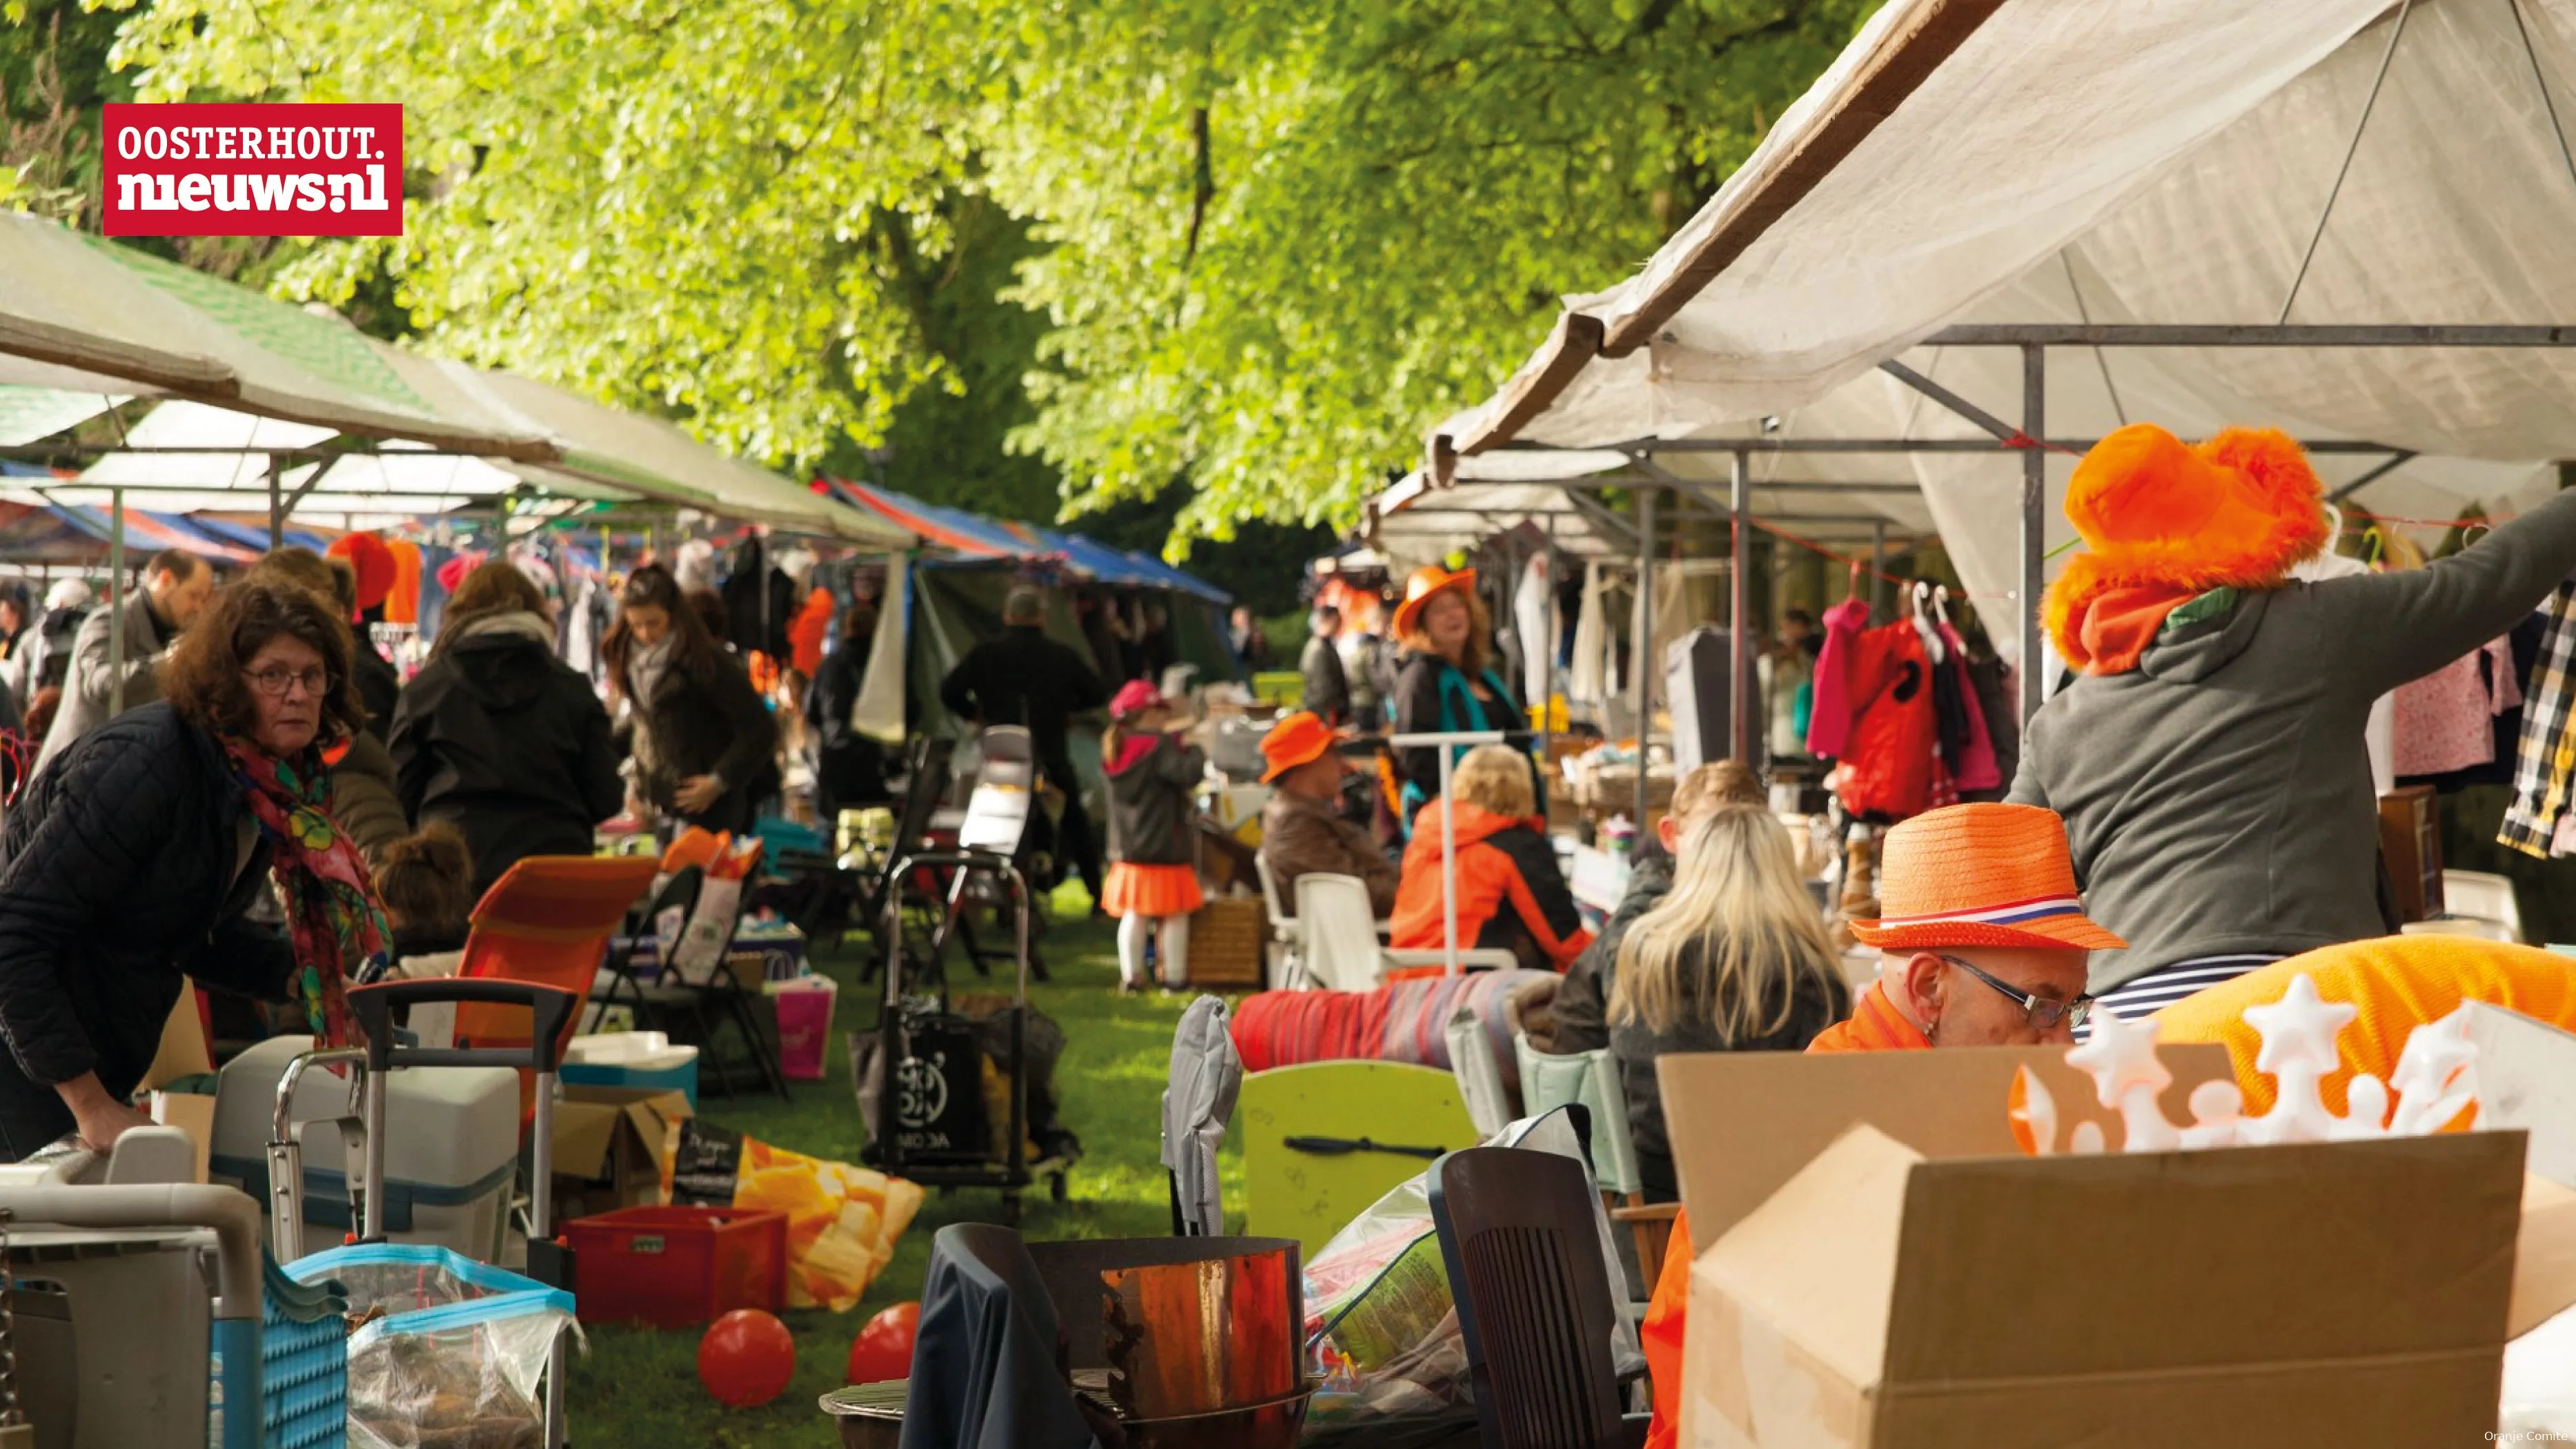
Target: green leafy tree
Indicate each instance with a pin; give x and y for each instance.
(1245, 250)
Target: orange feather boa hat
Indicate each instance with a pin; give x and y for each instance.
(2238, 511)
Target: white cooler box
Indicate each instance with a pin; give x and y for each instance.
(451, 1147)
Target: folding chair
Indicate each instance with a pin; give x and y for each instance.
(1338, 948)
(1535, 1305)
(1283, 925)
(926, 785)
(547, 921)
(1591, 1080)
(1324, 1140)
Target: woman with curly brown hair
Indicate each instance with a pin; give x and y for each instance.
(130, 861)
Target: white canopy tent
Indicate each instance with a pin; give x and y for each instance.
(2350, 220)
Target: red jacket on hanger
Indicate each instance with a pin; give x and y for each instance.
(1888, 758)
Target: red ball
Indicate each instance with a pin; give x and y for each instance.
(746, 1358)
(883, 1349)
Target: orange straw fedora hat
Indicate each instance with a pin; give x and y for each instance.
(1299, 739)
(1419, 590)
(1980, 875)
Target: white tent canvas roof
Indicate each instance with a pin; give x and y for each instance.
(2156, 161)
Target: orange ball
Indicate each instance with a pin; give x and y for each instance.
(746, 1358)
(883, 1349)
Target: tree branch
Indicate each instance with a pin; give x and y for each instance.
(1202, 183)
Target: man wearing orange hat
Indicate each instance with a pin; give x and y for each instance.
(1302, 828)
(2210, 762)
(1983, 942)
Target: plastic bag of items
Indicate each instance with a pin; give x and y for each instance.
(456, 1359)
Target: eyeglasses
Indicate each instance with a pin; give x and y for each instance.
(2042, 1013)
(276, 682)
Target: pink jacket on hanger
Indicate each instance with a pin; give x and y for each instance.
(1829, 720)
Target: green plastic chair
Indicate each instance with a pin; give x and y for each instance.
(1323, 1141)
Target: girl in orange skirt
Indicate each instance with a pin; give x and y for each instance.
(1153, 883)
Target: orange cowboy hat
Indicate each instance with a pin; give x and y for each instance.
(2239, 510)
(1980, 875)
(1427, 581)
(1298, 739)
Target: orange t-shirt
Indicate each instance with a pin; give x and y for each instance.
(1875, 1026)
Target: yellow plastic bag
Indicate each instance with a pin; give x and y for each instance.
(842, 1221)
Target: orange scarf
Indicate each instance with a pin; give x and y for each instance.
(2112, 633)
(1875, 1026)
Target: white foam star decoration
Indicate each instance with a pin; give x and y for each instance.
(2435, 1081)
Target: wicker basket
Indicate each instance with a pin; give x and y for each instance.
(1229, 939)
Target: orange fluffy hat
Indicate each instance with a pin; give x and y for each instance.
(2238, 511)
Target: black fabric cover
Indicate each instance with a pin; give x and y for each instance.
(987, 1364)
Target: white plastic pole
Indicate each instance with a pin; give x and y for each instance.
(1444, 743)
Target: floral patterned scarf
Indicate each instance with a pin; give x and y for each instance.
(332, 915)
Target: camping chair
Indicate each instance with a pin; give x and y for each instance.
(1323, 1141)
(1283, 926)
(1338, 948)
(1591, 1080)
(1535, 1305)
(547, 921)
(984, 1362)
(1480, 1077)
(708, 1008)
(925, 786)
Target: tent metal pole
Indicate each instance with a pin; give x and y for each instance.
(2249, 334)
(2034, 523)
(1877, 565)
(2395, 462)
(1547, 661)
(1739, 601)
(1640, 667)
(276, 509)
(2330, 447)
(115, 602)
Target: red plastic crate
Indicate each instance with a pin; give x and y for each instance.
(673, 1267)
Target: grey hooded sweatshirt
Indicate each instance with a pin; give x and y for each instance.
(2218, 797)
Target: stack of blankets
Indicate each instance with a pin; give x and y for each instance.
(1402, 1021)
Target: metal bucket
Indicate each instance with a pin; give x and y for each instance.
(1178, 1327)
(1271, 1425)
(870, 1415)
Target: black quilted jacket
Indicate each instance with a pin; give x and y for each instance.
(118, 874)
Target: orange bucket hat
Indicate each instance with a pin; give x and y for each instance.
(1298, 739)
(1426, 582)
(1980, 875)
(2239, 511)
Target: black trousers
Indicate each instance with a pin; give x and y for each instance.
(1076, 845)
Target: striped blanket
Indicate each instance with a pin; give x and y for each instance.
(1402, 1021)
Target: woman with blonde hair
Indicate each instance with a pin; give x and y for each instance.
(1510, 894)
(1734, 959)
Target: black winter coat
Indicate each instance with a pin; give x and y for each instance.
(1025, 678)
(508, 743)
(849, 766)
(708, 722)
(379, 685)
(1149, 800)
(121, 869)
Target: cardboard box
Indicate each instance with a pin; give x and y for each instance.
(1880, 1266)
(613, 1149)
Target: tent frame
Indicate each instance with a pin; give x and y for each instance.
(2030, 439)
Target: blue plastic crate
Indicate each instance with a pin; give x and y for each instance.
(303, 1363)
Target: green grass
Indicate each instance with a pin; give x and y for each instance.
(638, 1388)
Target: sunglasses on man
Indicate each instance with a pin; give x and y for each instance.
(2041, 1012)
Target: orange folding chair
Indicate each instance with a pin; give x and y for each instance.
(547, 921)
